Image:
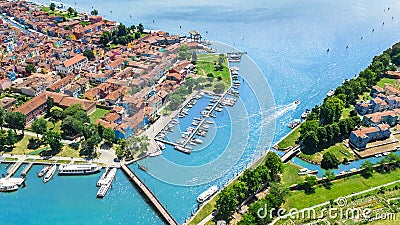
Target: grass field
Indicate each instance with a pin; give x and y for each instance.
(384, 81)
(290, 139)
(97, 114)
(339, 188)
(67, 151)
(56, 127)
(205, 65)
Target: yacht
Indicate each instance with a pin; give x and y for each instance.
(50, 173)
(297, 102)
(210, 121)
(85, 169)
(43, 171)
(8, 187)
(207, 194)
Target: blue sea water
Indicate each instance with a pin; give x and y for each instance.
(287, 39)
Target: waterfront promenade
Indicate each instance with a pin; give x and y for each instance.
(150, 195)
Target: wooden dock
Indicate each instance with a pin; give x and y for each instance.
(169, 219)
(27, 168)
(13, 169)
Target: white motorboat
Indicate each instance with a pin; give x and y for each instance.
(207, 194)
(50, 173)
(43, 171)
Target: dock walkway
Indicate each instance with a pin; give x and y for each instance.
(27, 168)
(150, 195)
(14, 169)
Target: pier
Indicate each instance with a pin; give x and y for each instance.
(169, 219)
(290, 154)
(27, 168)
(14, 169)
(105, 182)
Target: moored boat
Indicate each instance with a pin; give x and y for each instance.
(84, 169)
(8, 187)
(207, 194)
(43, 171)
(50, 173)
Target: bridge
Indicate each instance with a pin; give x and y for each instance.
(290, 154)
(169, 219)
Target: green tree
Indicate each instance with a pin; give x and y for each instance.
(39, 126)
(274, 163)
(53, 139)
(368, 169)
(247, 219)
(219, 87)
(109, 135)
(189, 83)
(49, 104)
(30, 68)
(277, 195)
(140, 28)
(194, 57)
(105, 38)
(15, 120)
(183, 52)
(260, 207)
(56, 112)
(94, 12)
(309, 184)
(70, 10)
(89, 54)
(2, 116)
(310, 141)
(52, 6)
(11, 138)
(329, 176)
(226, 203)
(331, 110)
(329, 161)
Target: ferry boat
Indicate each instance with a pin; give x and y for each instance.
(207, 194)
(8, 187)
(330, 93)
(43, 171)
(14, 180)
(50, 173)
(85, 169)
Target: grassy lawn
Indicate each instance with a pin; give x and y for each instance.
(339, 188)
(56, 127)
(346, 112)
(21, 147)
(67, 151)
(97, 114)
(384, 81)
(205, 65)
(290, 176)
(334, 149)
(290, 139)
(63, 161)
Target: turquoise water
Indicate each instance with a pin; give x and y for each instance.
(286, 39)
